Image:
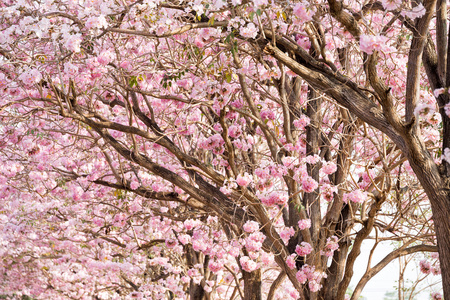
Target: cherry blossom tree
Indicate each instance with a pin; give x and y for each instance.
(220, 149)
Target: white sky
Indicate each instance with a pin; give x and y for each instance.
(386, 280)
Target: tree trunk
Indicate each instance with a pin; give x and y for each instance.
(252, 285)
(196, 291)
(438, 192)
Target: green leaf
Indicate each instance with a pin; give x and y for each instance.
(211, 21)
(258, 12)
(228, 77)
(133, 81)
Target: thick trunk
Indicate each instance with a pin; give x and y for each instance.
(438, 192)
(441, 213)
(252, 285)
(196, 291)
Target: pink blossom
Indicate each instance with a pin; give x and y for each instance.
(303, 13)
(302, 122)
(290, 261)
(436, 270)
(415, 12)
(258, 3)
(438, 92)
(303, 249)
(267, 114)
(98, 221)
(309, 184)
(286, 234)
(312, 159)
(247, 264)
(252, 245)
(73, 43)
(215, 266)
(250, 31)
(331, 246)
(447, 109)
(436, 296)
(328, 191)
(96, 22)
(424, 109)
(329, 167)
(301, 277)
(105, 57)
(267, 258)
(425, 266)
(251, 226)
(134, 185)
(3, 80)
(356, 196)
(190, 224)
(304, 224)
(126, 65)
(170, 243)
(243, 180)
(30, 77)
(391, 4)
(234, 131)
(314, 286)
(369, 43)
(289, 161)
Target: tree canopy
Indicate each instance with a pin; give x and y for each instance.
(220, 149)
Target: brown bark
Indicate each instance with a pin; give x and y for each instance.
(252, 285)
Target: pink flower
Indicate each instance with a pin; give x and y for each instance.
(170, 243)
(286, 234)
(134, 185)
(425, 266)
(436, 296)
(424, 109)
(331, 246)
(252, 245)
(190, 224)
(436, 270)
(314, 286)
(73, 43)
(309, 184)
(290, 261)
(304, 224)
(312, 159)
(126, 65)
(251, 226)
(3, 80)
(215, 266)
(247, 264)
(447, 109)
(96, 22)
(243, 180)
(303, 13)
(357, 196)
(30, 77)
(438, 92)
(104, 58)
(391, 4)
(328, 191)
(289, 161)
(267, 258)
(234, 131)
(369, 43)
(414, 13)
(250, 31)
(301, 277)
(329, 167)
(303, 249)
